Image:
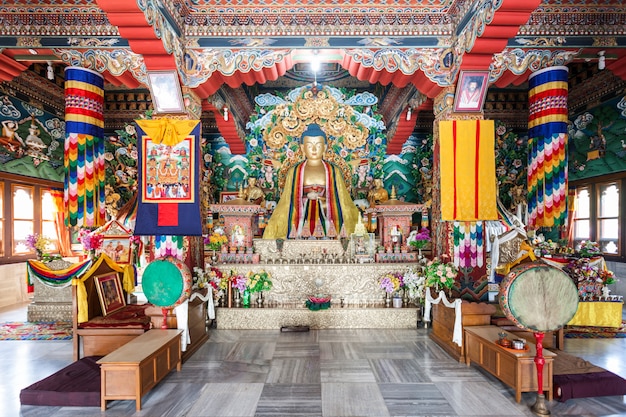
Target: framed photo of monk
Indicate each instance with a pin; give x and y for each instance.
(117, 247)
(110, 292)
(165, 92)
(471, 91)
(226, 196)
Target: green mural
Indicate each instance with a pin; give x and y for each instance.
(31, 140)
(597, 141)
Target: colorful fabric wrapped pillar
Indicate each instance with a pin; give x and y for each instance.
(547, 148)
(84, 148)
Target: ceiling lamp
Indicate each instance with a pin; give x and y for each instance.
(601, 60)
(50, 71)
(225, 113)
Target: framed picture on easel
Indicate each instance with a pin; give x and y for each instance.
(471, 91)
(110, 292)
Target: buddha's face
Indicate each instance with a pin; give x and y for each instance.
(313, 147)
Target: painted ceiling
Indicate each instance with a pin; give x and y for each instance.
(229, 51)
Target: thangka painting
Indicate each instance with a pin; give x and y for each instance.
(167, 171)
(168, 200)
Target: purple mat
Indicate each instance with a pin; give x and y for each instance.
(77, 384)
(594, 384)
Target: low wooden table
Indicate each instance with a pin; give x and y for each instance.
(135, 368)
(515, 368)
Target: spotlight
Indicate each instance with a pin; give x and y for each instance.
(50, 72)
(408, 114)
(226, 113)
(315, 61)
(601, 60)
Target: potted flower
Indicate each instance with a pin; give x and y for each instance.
(440, 274)
(257, 282)
(414, 285)
(419, 240)
(391, 283)
(39, 244)
(216, 239)
(91, 241)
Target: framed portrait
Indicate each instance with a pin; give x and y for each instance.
(110, 292)
(226, 196)
(165, 92)
(471, 91)
(117, 248)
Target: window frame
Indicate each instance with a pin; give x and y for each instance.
(594, 186)
(7, 183)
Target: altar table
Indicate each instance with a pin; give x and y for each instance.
(598, 314)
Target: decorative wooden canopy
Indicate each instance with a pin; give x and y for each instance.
(412, 49)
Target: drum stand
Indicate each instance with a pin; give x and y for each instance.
(540, 405)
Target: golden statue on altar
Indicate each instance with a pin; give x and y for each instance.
(315, 201)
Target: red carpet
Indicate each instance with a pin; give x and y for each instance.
(578, 332)
(17, 330)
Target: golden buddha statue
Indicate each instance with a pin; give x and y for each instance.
(314, 197)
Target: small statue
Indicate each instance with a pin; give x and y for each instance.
(378, 194)
(253, 193)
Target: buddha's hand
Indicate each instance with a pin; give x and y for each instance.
(313, 195)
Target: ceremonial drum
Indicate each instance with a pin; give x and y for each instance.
(166, 282)
(538, 297)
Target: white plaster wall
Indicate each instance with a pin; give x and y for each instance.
(13, 288)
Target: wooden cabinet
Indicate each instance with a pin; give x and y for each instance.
(132, 370)
(516, 369)
(473, 314)
(196, 322)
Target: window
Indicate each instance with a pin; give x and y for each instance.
(597, 217)
(26, 207)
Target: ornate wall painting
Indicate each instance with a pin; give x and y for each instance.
(31, 140)
(597, 145)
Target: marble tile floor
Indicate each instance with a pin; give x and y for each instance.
(318, 373)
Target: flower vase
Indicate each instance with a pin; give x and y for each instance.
(39, 255)
(213, 257)
(397, 301)
(405, 298)
(246, 298)
(387, 299)
(237, 298)
(259, 299)
(92, 254)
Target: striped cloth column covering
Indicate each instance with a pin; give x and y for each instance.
(547, 148)
(84, 148)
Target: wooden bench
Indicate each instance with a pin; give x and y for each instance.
(133, 369)
(517, 369)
